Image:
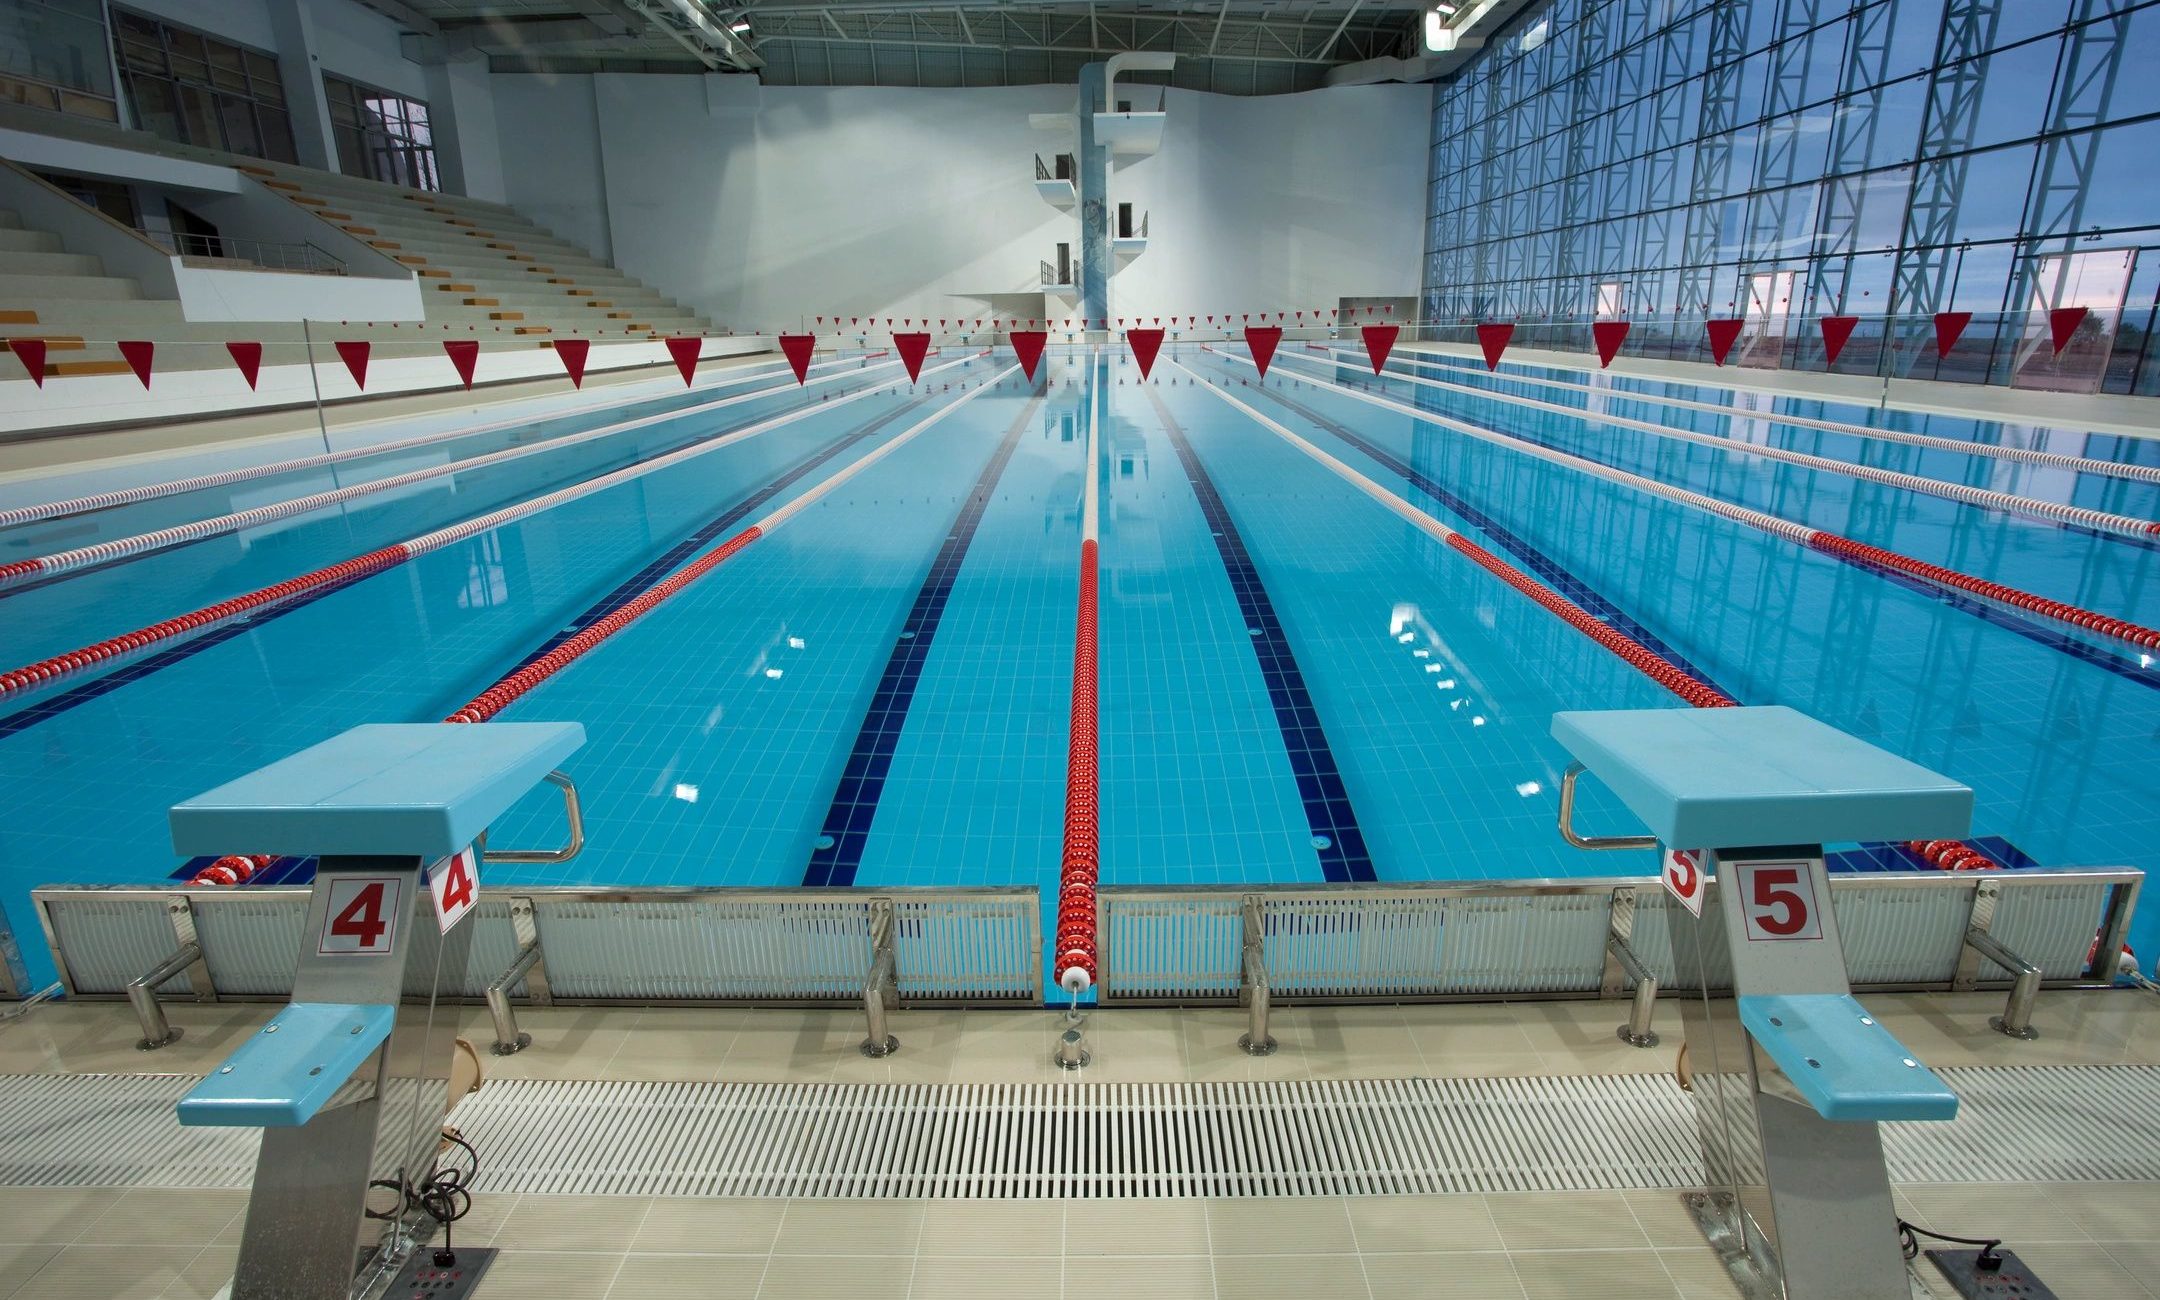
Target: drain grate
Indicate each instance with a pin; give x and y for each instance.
(1291, 1138)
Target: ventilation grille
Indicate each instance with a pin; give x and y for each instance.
(1293, 1138)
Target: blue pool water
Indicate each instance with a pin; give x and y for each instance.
(1296, 685)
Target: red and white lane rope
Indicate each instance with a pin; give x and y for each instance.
(151, 491)
(509, 689)
(143, 543)
(2027, 455)
(1984, 498)
(1802, 534)
(1952, 855)
(1080, 865)
(19, 680)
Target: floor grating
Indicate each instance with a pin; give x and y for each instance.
(1235, 1139)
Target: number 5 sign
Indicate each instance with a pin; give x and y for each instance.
(1684, 878)
(1778, 900)
(455, 882)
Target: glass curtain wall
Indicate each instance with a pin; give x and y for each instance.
(1781, 160)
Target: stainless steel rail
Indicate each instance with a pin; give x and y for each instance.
(576, 817)
(1567, 820)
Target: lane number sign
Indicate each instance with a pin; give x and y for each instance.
(455, 882)
(1778, 901)
(361, 920)
(1684, 878)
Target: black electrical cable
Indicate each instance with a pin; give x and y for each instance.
(445, 1197)
(1909, 1235)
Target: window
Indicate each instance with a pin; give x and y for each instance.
(195, 89)
(381, 136)
(52, 56)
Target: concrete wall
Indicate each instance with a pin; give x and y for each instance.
(765, 206)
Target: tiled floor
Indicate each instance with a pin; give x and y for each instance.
(2090, 1242)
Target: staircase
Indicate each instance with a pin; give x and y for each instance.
(484, 265)
(43, 288)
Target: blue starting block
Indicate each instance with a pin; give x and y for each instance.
(377, 805)
(1790, 1074)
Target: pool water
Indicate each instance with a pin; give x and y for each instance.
(1296, 685)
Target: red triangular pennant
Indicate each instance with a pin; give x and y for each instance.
(1492, 340)
(1610, 334)
(2062, 323)
(1145, 344)
(138, 353)
(1948, 326)
(798, 348)
(912, 348)
(1028, 346)
(1723, 331)
(32, 352)
(573, 353)
(247, 356)
(464, 354)
(1379, 341)
(1835, 331)
(685, 351)
(1262, 340)
(354, 353)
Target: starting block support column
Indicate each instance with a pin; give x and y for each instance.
(1790, 1075)
(352, 1076)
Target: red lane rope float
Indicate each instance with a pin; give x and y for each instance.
(1806, 535)
(1080, 863)
(31, 675)
(1953, 855)
(2090, 620)
(502, 694)
(1637, 655)
(231, 870)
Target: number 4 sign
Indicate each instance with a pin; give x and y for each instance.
(1778, 900)
(1684, 878)
(361, 920)
(455, 882)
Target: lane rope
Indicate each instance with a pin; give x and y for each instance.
(224, 478)
(525, 679)
(1631, 651)
(1079, 860)
(22, 679)
(2031, 456)
(1984, 498)
(2100, 624)
(129, 548)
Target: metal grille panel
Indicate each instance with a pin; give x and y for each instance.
(1292, 1138)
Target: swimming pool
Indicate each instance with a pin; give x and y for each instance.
(1297, 682)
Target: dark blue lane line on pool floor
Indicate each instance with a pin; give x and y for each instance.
(1539, 563)
(837, 856)
(839, 847)
(681, 552)
(1336, 837)
(76, 696)
(1986, 611)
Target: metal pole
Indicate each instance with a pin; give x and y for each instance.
(508, 1041)
(877, 985)
(1636, 1032)
(2016, 1019)
(142, 995)
(1256, 1041)
(307, 338)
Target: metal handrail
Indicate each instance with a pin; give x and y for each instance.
(550, 856)
(1567, 820)
(1050, 275)
(1042, 173)
(304, 257)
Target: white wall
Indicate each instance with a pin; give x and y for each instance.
(761, 205)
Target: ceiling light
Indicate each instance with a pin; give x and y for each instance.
(739, 26)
